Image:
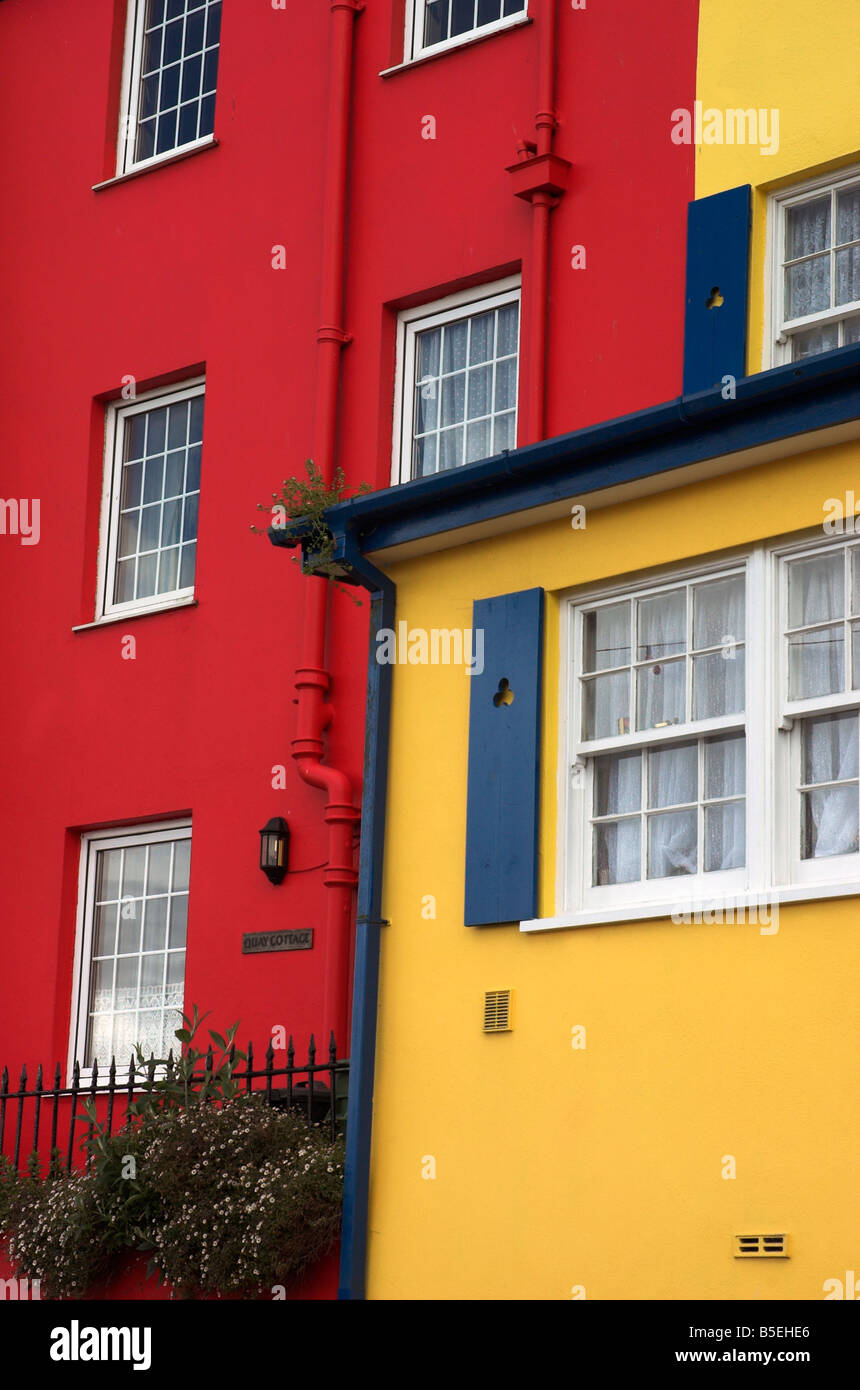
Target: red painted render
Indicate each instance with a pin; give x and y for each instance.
(171, 269)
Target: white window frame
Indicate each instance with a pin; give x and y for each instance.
(91, 842)
(115, 415)
(130, 98)
(411, 322)
(774, 870)
(780, 330)
(415, 48)
(789, 865)
(578, 894)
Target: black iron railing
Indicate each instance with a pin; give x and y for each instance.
(49, 1115)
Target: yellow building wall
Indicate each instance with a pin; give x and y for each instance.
(601, 1169)
(801, 60)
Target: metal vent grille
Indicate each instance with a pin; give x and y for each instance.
(761, 1247)
(497, 1011)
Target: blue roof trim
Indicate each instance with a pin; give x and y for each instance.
(793, 399)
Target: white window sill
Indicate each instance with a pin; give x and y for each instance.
(727, 903)
(169, 157)
(516, 22)
(136, 613)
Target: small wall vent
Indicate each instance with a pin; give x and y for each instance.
(497, 1011)
(762, 1247)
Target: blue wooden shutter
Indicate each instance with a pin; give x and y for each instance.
(715, 338)
(504, 761)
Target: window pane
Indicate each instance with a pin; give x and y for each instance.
(101, 986)
(606, 706)
(672, 844)
(181, 864)
(127, 973)
(718, 613)
(816, 662)
(134, 864)
(848, 275)
(718, 683)
(848, 215)
(426, 406)
(814, 340)
(606, 637)
(454, 399)
(462, 16)
(661, 694)
(662, 625)
(617, 852)
(132, 477)
(506, 331)
(488, 10)
(855, 657)
(504, 432)
(481, 341)
(451, 448)
(104, 930)
(427, 353)
(478, 441)
(480, 388)
(830, 748)
(147, 574)
(107, 875)
(506, 384)
(124, 587)
(187, 566)
(725, 766)
(130, 922)
(178, 921)
(135, 437)
(807, 227)
(830, 820)
(435, 22)
(424, 456)
(725, 836)
(154, 924)
(617, 784)
(851, 331)
(807, 287)
(454, 348)
(673, 775)
(158, 876)
(815, 589)
(98, 1044)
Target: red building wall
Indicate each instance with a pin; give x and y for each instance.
(171, 271)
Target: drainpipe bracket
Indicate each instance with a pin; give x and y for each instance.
(331, 333)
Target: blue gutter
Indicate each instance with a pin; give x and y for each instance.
(803, 396)
(773, 405)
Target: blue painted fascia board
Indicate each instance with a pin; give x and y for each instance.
(769, 406)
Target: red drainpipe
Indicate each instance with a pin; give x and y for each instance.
(540, 177)
(313, 681)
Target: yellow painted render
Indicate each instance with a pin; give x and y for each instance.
(601, 1168)
(800, 59)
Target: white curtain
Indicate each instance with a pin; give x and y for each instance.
(807, 287)
(816, 594)
(719, 620)
(830, 755)
(672, 780)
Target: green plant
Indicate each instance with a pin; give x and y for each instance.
(298, 510)
(226, 1193)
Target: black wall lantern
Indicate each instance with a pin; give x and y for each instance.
(274, 843)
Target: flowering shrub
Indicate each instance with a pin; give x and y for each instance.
(227, 1194)
(247, 1197)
